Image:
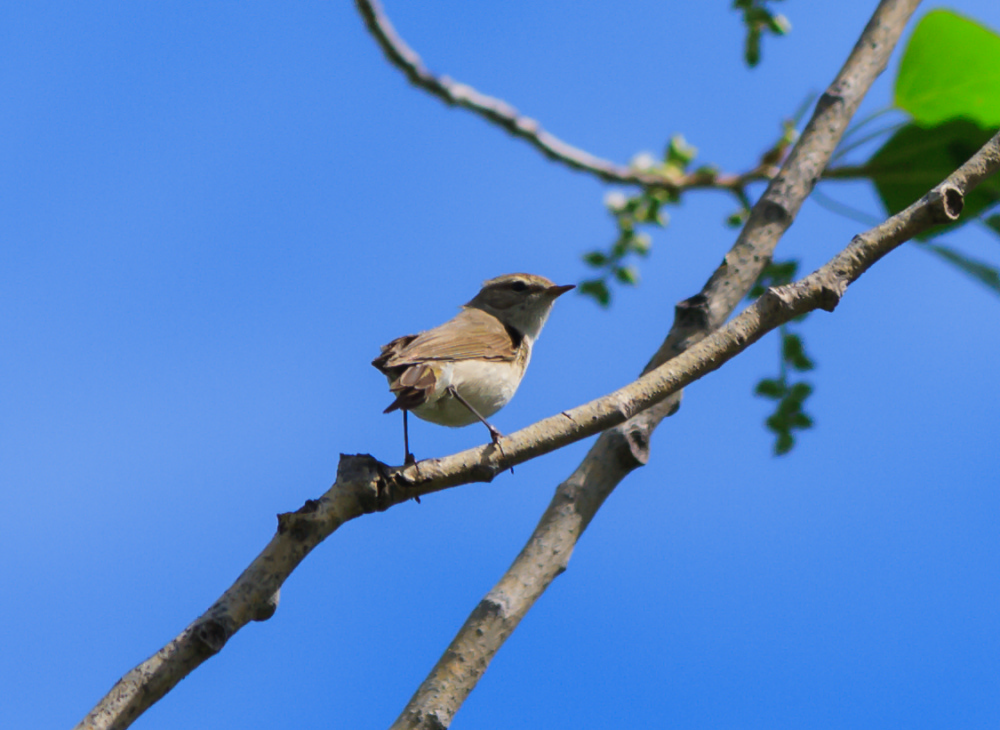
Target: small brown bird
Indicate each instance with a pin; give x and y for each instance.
(469, 368)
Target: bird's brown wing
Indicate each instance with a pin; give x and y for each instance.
(408, 361)
(483, 337)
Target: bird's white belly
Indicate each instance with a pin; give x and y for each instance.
(486, 386)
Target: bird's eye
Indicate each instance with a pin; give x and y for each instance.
(518, 286)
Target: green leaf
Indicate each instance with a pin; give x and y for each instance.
(978, 270)
(782, 272)
(950, 70)
(794, 353)
(802, 364)
(914, 160)
(597, 289)
(627, 275)
(777, 422)
(679, 152)
(735, 220)
(802, 421)
(787, 410)
(595, 258)
(751, 53)
(645, 213)
(784, 443)
(641, 243)
(800, 391)
(757, 18)
(770, 388)
(779, 25)
(622, 244)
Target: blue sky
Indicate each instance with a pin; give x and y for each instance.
(215, 214)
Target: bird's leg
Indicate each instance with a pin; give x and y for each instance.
(409, 458)
(495, 435)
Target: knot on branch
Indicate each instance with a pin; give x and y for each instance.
(212, 634)
(832, 96)
(368, 480)
(692, 313)
(821, 289)
(299, 525)
(638, 442)
(774, 212)
(425, 720)
(629, 444)
(493, 606)
(831, 291)
(946, 203)
(265, 609)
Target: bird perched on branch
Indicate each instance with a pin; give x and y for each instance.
(468, 368)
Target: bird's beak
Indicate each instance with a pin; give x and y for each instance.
(556, 291)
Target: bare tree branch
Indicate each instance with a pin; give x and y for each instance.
(621, 449)
(365, 485)
(499, 112)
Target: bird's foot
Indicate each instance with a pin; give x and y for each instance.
(495, 435)
(411, 460)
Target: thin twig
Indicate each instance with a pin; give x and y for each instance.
(499, 112)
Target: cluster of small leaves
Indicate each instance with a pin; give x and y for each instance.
(645, 208)
(788, 415)
(629, 213)
(789, 396)
(758, 19)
